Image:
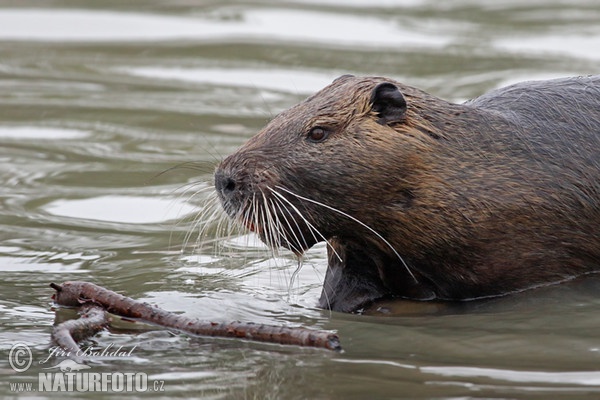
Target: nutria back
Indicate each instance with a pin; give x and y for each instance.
(421, 198)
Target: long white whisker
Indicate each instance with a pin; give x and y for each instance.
(295, 274)
(307, 222)
(254, 214)
(184, 192)
(226, 227)
(203, 220)
(283, 211)
(384, 240)
(271, 226)
(286, 215)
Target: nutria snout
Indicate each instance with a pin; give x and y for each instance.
(421, 198)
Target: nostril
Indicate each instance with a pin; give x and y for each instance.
(225, 183)
(229, 185)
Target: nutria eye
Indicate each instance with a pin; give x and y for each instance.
(317, 134)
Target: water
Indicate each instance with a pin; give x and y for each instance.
(99, 103)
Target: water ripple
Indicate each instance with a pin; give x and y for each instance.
(260, 24)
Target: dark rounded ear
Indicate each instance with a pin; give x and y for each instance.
(388, 103)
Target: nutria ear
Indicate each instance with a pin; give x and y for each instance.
(388, 103)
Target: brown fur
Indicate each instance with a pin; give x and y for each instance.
(499, 194)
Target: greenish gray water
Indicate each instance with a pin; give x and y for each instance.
(99, 102)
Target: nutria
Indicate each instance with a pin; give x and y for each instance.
(425, 199)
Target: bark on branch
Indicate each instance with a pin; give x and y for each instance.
(93, 319)
(76, 293)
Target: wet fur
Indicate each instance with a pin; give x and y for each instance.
(496, 195)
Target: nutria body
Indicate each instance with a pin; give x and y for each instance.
(426, 199)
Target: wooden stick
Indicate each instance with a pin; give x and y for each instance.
(66, 334)
(76, 293)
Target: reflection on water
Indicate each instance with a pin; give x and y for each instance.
(586, 378)
(266, 24)
(113, 118)
(126, 209)
(39, 133)
(293, 81)
(566, 45)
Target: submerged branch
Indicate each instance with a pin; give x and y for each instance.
(76, 293)
(93, 319)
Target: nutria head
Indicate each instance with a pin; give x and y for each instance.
(353, 151)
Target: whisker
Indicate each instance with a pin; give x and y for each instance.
(261, 224)
(273, 224)
(384, 240)
(295, 274)
(307, 222)
(283, 221)
(312, 229)
(269, 226)
(183, 191)
(251, 215)
(210, 215)
(200, 217)
(190, 165)
(282, 211)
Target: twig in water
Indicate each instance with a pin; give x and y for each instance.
(76, 293)
(93, 319)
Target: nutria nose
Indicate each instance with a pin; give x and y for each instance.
(224, 182)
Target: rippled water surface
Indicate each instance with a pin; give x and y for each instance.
(112, 118)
